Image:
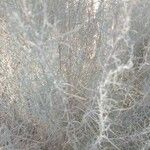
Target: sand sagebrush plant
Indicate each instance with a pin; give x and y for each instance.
(74, 75)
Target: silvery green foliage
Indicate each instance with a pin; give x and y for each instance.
(74, 75)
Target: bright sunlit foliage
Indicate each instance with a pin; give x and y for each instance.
(74, 74)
